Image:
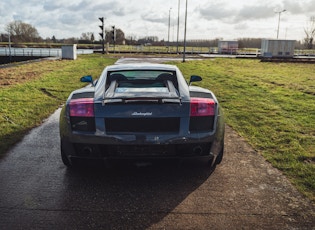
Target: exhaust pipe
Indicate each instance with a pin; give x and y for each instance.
(197, 150)
(87, 150)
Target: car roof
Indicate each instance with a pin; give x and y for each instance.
(141, 66)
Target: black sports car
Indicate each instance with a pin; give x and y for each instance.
(141, 112)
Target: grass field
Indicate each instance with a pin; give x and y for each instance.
(272, 105)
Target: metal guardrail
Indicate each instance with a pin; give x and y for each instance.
(30, 52)
(37, 52)
(304, 52)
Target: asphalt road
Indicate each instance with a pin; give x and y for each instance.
(245, 192)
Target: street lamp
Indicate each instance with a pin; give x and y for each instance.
(178, 25)
(184, 54)
(279, 12)
(169, 25)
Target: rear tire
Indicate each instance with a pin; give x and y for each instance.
(219, 158)
(65, 159)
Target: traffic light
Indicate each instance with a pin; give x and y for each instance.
(102, 28)
(113, 34)
(102, 34)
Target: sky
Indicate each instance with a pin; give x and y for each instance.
(206, 19)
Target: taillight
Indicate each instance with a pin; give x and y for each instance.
(82, 107)
(202, 107)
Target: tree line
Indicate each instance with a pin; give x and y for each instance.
(21, 32)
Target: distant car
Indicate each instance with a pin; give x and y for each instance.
(141, 112)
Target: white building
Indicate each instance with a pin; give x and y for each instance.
(69, 52)
(277, 48)
(227, 47)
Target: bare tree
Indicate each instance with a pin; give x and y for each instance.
(89, 36)
(22, 32)
(310, 34)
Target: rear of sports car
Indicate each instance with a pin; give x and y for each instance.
(141, 114)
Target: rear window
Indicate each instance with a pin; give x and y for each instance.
(142, 74)
(141, 85)
(144, 79)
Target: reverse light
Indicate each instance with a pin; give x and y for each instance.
(82, 107)
(202, 107)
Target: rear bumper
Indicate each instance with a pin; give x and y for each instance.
(99, 145)
(140, 147)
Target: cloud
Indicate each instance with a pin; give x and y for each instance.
(154, 17)
(223, 12)
(216, 11)
(98, 7)
(299, 7)
(241, 26)
(294, 7)
(254, 13)
(70, 19)
(52, 5)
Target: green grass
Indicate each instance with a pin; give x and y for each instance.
(272, 105)
(25, 105)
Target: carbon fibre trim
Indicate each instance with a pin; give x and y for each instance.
(83, 95)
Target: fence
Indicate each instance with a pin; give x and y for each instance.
(37, 52)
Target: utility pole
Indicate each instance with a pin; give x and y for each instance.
(177, 26)
(279, 12)
(184, 54)
(169, 26)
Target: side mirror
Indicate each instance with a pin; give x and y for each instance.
(194, 78)
(88, 79)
